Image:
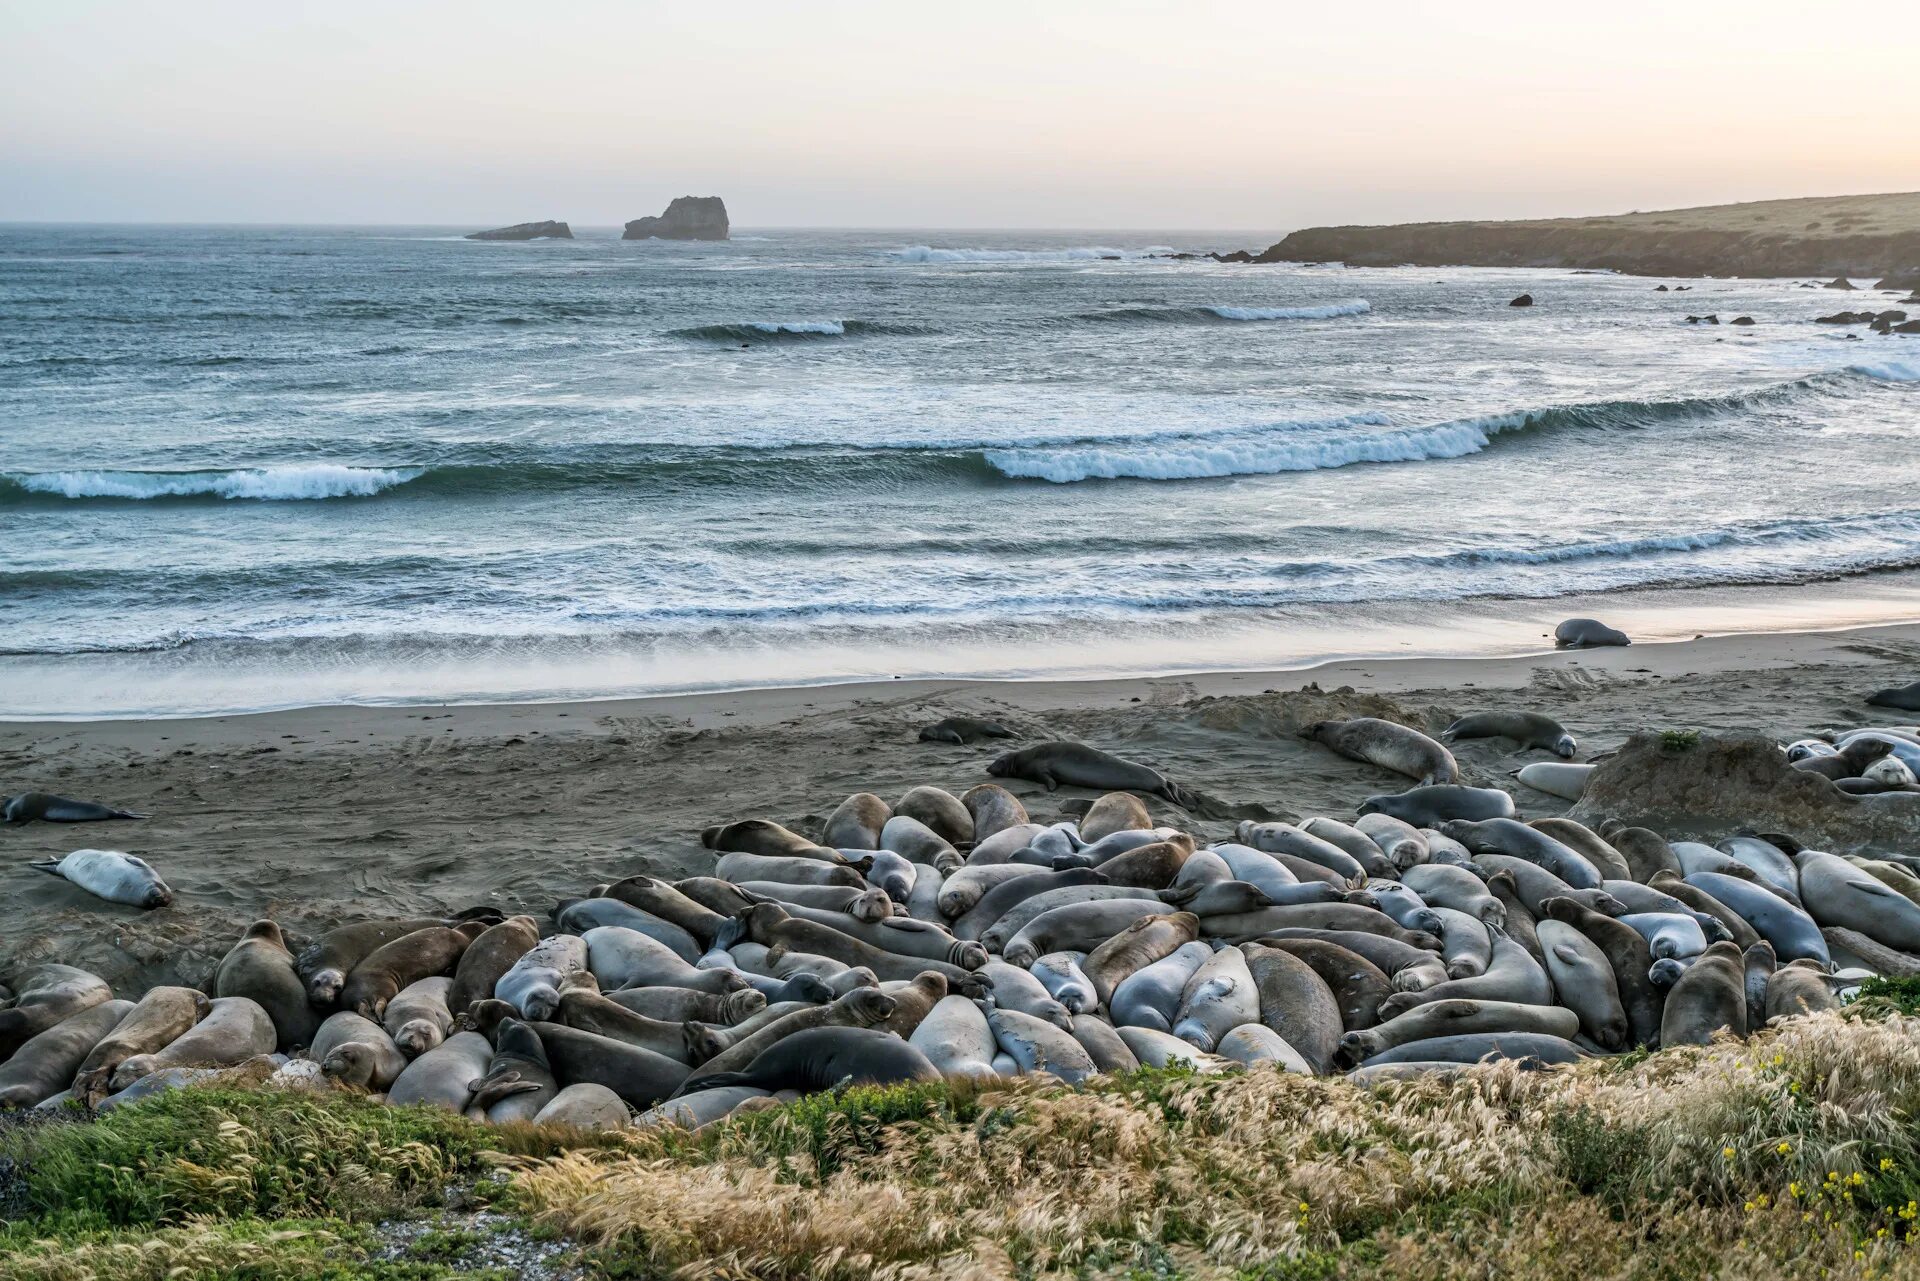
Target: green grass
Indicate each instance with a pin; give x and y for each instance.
(1879, 997)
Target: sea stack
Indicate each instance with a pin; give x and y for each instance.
(687, 218)
(526, 231)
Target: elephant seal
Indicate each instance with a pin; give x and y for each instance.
(1709, 997)
(1149, 867)
(47, 995)
(323, 965)
(1227, 898)
(1534, 885)
(1669, 935)
(48, 808)
(1458, 1017)
(1792, 932)
(444, 1076)
(357, 1051)
(681, 1005)
(690, 1041)
(234, 1030)
(1285, 838)
(1529, 729)
(964, 730)
(1409, 968)
(775, 929)
(1765, 860)
(1150, 995)
(1699, 901)
(663, 901)
(1358, 845)
(1836, 892)
(1519, 923)
(694, 1112)
(1358, 985)
(1587, 633)
(1004, 844)
(1103, 1044)
(1646, 852)
(1077, 927)
(900, 935)
(487, 960)
(1243, 926)
(1138, 944)
(1055, 763)
(1389, 745)
(1757, 964)
(939, 811)
(419, 1018)
(1627, 955)
(960, 892)
(856, 823)
(1066, 982)
(1511, 975)
(913, 840)
(1114, 812)
(1465, 944)
(1154, 1048)
(956, 1039)
(639, 1076)
(1434, 805)
(862, 905)
(1798, 987)
(763, 837)
(519, 1082)
(1401, 842)
(409, 958)
(1479, 1047)
(1904, 697)
(1443, 885)
(1218, 998)
(993, 809)
(1407, 909)
(738, 868)
(1515, 839)
(47, 1063)
(113, 875)
(820, 1058)
(912, 1001)
(1568, 782)
(586, 1106)
(1015, 989)
(1583, 982)
(578, 915)
(155, 1020)
(260, 968)
(1252, 1043)
(1588, 844)
(1038, 1046)
(1064, 892)
(534, 982)
(621, 957)
(1296, 1002)
(1894, 876)
(863, 1008)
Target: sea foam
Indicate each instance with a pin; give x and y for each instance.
(1083, 253)
(304, 481)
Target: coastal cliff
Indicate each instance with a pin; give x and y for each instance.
(1856, 236)
(526, 231)
(687, 218)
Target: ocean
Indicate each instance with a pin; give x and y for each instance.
(248, 467)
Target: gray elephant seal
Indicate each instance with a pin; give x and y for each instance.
(418, 1018)
(960, 892)
(664, 901)
(1511, 975)
(1038, 1046)
(1103, 1044)
(47, 995)
(1588, 844)
(1568, 782)
(1517, 840)
(640, 1077)
(1710, 997)
(1836, 892)
(1534, 885)
(487, 960)
(1443, 885)
(586, 1106)
(444, 1076)
(113, 875)
(963, 730)
(856, 824)
(323, 966)
(862, 1007)
(1066, 982)
(1477, 1047)
(260, 968)
(45, 1065)
(155, 1020)
(408, 959)
(1114, 812)
(1792, 932)
(690, 1041)
(1458, 1017)
(533, 984)
(1403, 844)
(1296, 1002)
(1218, 998)
(1409, 968)
(357, 1051)
(1286, 839)
(48, 808)
(1077, 765)
(695, 1112)
(1627, 955)
(1150, 995)
(911, 839)
(1530, 729)
(1587, 633)
(1358, 985)
(1798, 987)
(1583, 982)
(760, 836)
(994, 810)
(681, 1005)
(1016, 989)
(578, 915)
(1389, 745)
(1904, 697)
(956, 1039)
(1432, 806)
(822, 1057)
(234, 1030)
(519, 1082)
(1698, 900)
(1252, 1043)
(1077, 927)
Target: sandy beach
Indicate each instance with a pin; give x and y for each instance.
(325, 815)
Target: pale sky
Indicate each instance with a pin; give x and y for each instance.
(1260, 115)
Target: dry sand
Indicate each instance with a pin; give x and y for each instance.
(325, 815)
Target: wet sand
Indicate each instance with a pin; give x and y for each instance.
(325, 815)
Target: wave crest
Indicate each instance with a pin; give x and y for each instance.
(297, 482)
(1082, 253)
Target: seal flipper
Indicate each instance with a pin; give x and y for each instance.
(51, 866)
(728, 932)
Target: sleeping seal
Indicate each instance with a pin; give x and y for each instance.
(1150, 995)
(1530, 729)
(1114, 812)
(260, 967)
(1904, 697)
(112, 875)
(46, 807)
(45, 1065)
(444, 1076)
(1710, 996)
(1038, 1046)
(586, 1106)
(820, 1058)
(47, 995)
(1389, 745)
(1587, 633)
(1838, 893)
(994, 810)
(956, 1039)
(1432, 806)
(939, 811)
(519, 1082)
(1458, 1017)
(1077, 765)
(963, 730)
(357, 1051)
(856, 824)
(1568, 782)
(234, 1030)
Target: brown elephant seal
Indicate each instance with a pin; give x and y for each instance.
(1077, 927)
(940, 811)
(44, 997)
(1799, 987)
(46, 1063)
(1229, 898)
(914, 1000)
(964, 730)
(1646, 852)
(957, 1039)
(913, 840)
(1519, 924)
(1534, 885)
(419, 1017)
(1058, 763)
(861, 1008)
(1587, 633)
(1436, 803)
(357, 1051)
(661, 899)
(856, 822)
(1103, 1044)
(639, 1076)
(260, 968)
(1389, 745)
(234, 1030)
(760, 836)
(411, 957)
(1711, 996)
(1456, 1017)
(113, 875)
(45, 807)
(1149, 867)
(1242, 926)
(862, 904)
(156, 1019)
(586, 1106)
(1529, 729)
(1139, 944)
(821, 1058)
(1357, 984)
(774, 928)
(1113, 812)
(1511, 975)
(1904, 697)
(519, 1082)
(688, 1040)
(1757, 964)
(994, 810)
(1630, 959)
(740, 868)
(324, 965)
(1296, 1002)
(444, 1076)
(487, 960)
(1515, 839)
(1409, 968)
(1583, 982)
(681, 1005)
(1587, 843)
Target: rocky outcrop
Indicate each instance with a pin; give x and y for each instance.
(526, 231)
(687, 218)
(1908, 280)
(1841, 236)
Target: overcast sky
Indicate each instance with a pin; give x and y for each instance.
(1257, 115)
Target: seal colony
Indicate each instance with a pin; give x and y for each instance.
(945, 934)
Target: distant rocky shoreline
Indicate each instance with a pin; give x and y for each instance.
(686, 218)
